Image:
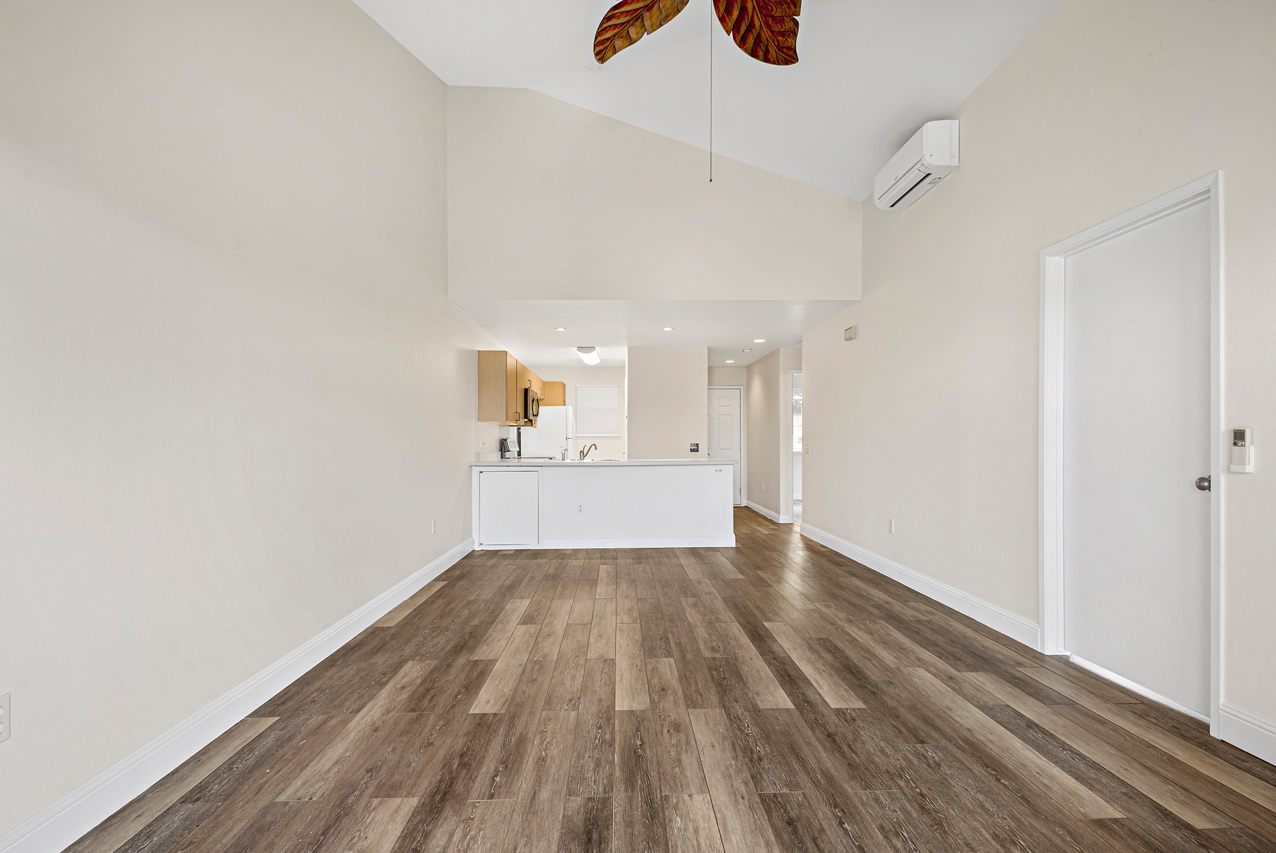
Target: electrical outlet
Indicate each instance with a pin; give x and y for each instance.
(484, 443)
(764, 486)
(580, 509)
(890, 525)
(6, 714)
(434, 527)
(807, 448)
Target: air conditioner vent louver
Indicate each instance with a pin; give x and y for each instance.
(925, 160)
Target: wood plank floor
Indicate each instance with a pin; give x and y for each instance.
(771, 697)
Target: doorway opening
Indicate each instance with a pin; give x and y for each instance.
(1132, 451)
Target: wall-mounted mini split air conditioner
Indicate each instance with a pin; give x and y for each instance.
(923, 162)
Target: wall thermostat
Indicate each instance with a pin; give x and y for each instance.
(1242, 451)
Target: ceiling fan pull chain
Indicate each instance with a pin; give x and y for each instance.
(712, 21)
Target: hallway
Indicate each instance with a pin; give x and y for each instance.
(771, 697)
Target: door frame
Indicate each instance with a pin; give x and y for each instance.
(1207, 190)
(744, 447)
(787, 439)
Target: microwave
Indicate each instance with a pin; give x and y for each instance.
(531, 406)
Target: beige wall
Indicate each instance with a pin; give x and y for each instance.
(763, 406)
(608, 448)
(728, 376)
(768, 404)
(931, 416)
(668, 402)
(550, 201)
(223, 343)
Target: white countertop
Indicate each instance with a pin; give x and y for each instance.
(598, 463)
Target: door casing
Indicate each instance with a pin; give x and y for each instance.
(1207, 190)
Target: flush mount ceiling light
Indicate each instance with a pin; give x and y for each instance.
(559, 329)
(759, 340)
(730, 361)
(767, 30)
(667, 329)
(589, 355)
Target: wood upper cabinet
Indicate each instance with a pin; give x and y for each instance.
(527, 379)
(501, 382)
(555, 394)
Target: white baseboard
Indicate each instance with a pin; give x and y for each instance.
(676, 542)
(1012, 625)
(578, 544)
(1135, 687)
(65, 821)
(1252, 733)
(774, 516)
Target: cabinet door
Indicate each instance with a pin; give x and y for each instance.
(528, 379)
(513, 391)
(509, 508)
(555, 394)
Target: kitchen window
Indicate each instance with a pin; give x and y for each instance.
(598, 411)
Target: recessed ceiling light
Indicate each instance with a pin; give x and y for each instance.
(668, 329)
(759, 340)
(730, 361)
(559, 329)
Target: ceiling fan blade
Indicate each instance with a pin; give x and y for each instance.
(630, 20)
(764, 29)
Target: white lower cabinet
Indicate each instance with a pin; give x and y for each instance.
(509, 508)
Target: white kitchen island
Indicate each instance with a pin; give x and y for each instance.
(676, 503)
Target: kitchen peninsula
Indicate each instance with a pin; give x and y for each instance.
(674, 503)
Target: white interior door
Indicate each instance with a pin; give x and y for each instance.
(1136, 436)
(726, 432)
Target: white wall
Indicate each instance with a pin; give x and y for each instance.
(763, 413)
(668, 402)
(931, 416)
(224, 336)
(728, 376)
(769, 407)
(550, 201)
(608, 448)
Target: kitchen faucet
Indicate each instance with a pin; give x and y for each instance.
(584, 454)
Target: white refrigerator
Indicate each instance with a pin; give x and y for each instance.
(553, 437)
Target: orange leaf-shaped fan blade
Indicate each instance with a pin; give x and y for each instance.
(630, 20)
(765, 29)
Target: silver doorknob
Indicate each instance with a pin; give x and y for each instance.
(1204, 483)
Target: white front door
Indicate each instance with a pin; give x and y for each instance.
(726, 432)
(1136, 436)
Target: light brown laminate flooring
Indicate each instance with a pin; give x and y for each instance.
(771, 697)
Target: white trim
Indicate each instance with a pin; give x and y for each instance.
(684, 542)
(744, 441)
(1012, 625)
(1250, 732)
(771, 514)
(1207, 190)
(65, 821)
(1135, 687)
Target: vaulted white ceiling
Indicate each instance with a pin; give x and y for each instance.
(871, 72)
